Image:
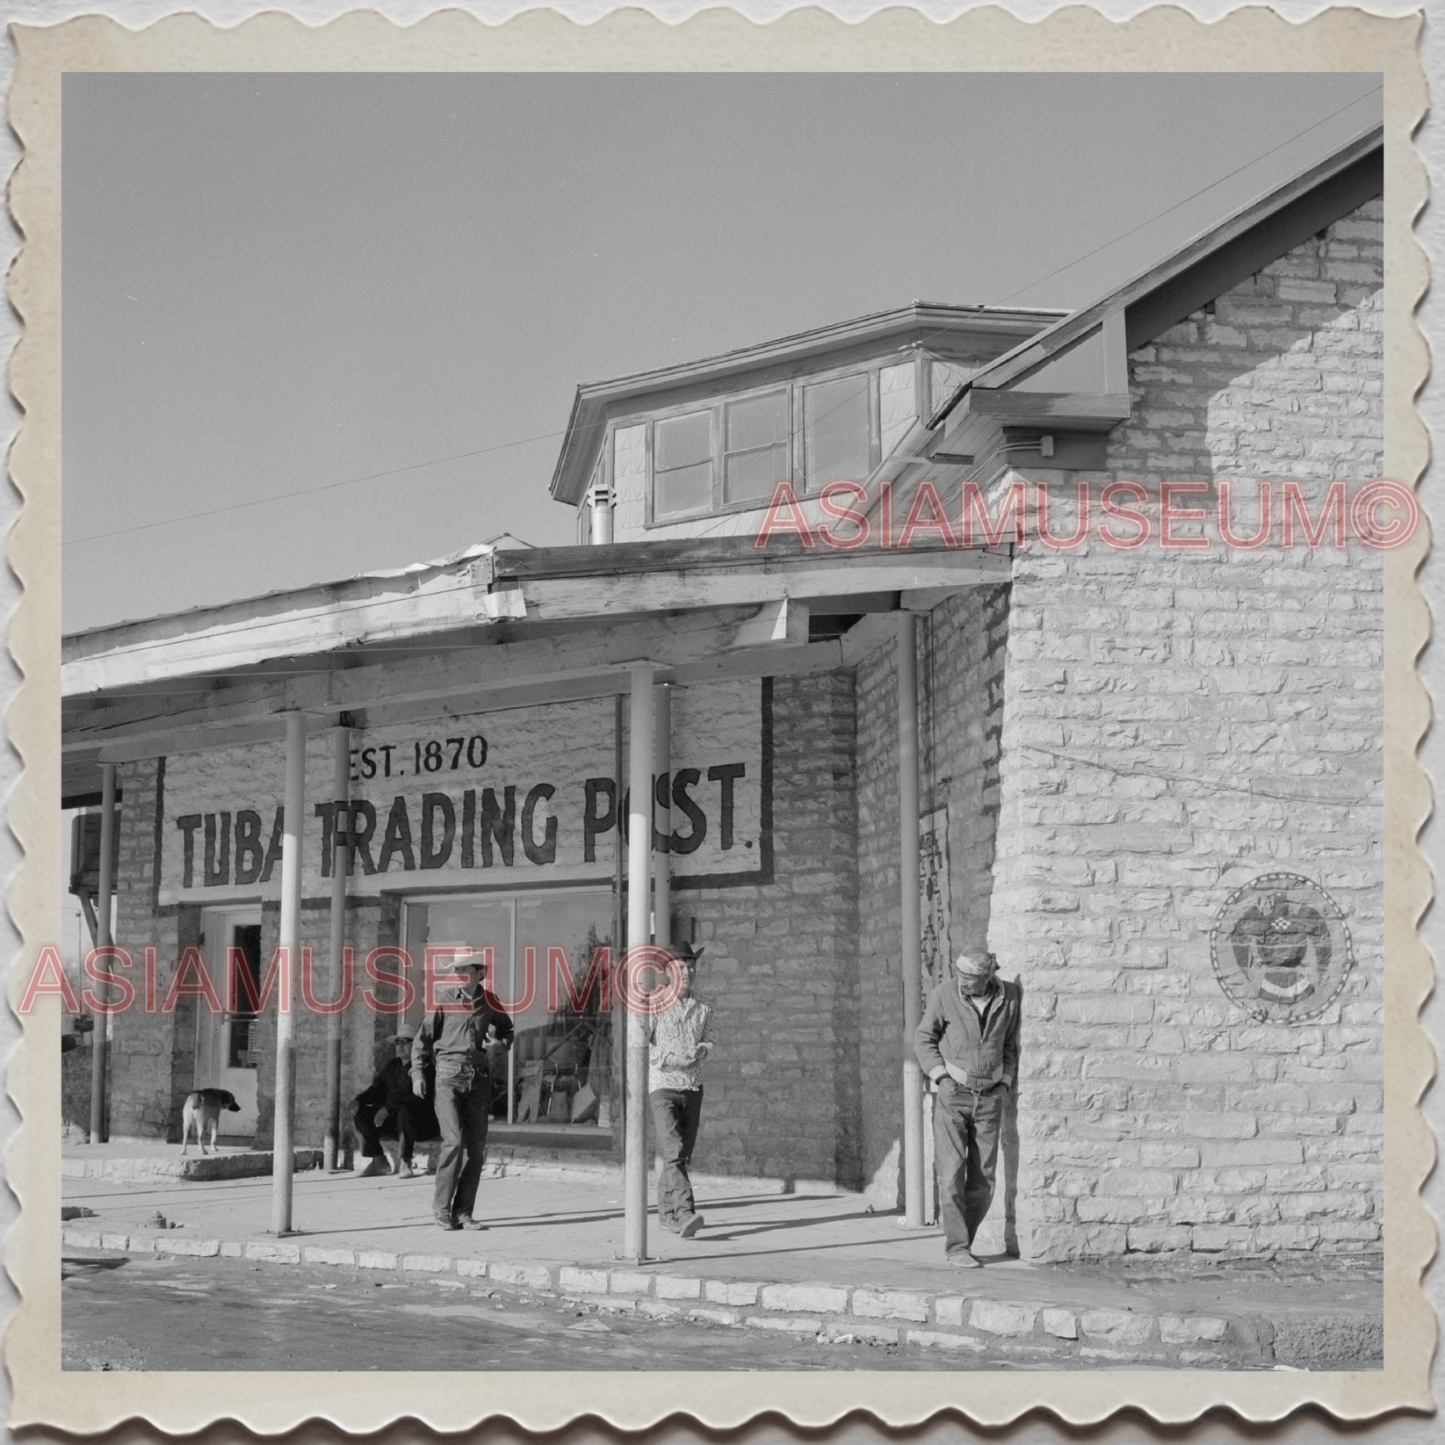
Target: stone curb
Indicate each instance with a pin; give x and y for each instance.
(189, 1168)
(970, 1324)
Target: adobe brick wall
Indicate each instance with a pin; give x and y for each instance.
(782, 1088)
(1175, 725)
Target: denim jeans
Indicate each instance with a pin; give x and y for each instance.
(677, 1114)
(965, 1151)
(463, 1103)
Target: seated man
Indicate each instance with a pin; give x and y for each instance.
(387, 1108)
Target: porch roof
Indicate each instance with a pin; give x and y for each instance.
(488, 628)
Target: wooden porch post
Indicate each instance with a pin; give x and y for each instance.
(99, 1042)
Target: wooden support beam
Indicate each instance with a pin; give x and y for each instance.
(776, 622)
(256, 709)
(773, 660)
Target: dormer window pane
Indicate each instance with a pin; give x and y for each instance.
(683, 441)
(836, 431)
(682, 464)
(755, 458)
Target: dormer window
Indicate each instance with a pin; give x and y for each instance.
(733, 454)
(682, 465)
(756, 456)
(838, 430)
(730, 454)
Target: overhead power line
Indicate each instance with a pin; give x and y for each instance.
(551, 436)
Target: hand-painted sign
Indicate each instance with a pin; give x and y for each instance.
(511, 798)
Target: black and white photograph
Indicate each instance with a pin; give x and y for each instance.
(732, 720)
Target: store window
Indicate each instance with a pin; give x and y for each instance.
(541, 947)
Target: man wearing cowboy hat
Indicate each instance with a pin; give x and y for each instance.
(388, 1106)
(968, 1044)
(680, 1043)
(457, 1034)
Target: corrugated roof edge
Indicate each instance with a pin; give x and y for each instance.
(502, 542)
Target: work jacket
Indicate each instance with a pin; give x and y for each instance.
(977, 1052)
(390, 1089)
(455, 1035)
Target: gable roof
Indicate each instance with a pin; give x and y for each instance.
(1070, 380)
(1205, 267)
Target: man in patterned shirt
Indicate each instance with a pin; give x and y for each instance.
(680, 1044)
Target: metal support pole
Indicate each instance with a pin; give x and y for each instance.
(910, 921)
(662, 862)
(619, 1014)
(340, 860)
(639, 854)
(99, 1040)
(283, 1160)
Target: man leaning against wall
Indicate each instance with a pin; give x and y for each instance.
(968, 1045)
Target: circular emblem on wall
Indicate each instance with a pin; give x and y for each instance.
(1281, 948)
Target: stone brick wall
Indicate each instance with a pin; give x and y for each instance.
(781, 967)
(148, 1080)
(880, 989)
(960, 659)
(1175, 725)
(75, 1093)
(968, 636)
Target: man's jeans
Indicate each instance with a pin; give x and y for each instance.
(965, 1150)
(463, 1103)
(677, 1113)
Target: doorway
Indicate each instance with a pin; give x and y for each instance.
(226, 1043)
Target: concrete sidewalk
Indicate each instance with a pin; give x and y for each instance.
(818, 1263)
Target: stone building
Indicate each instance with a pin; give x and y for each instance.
(1149, 768)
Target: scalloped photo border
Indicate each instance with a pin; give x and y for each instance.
(1073, 39)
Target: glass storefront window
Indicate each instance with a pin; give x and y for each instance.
(541, 949)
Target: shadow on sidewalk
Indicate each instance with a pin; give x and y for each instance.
(811, 1222)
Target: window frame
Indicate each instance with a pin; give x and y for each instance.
(716, 408)
(875, 424)
(673, 414)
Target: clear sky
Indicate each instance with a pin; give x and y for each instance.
(317, 325)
